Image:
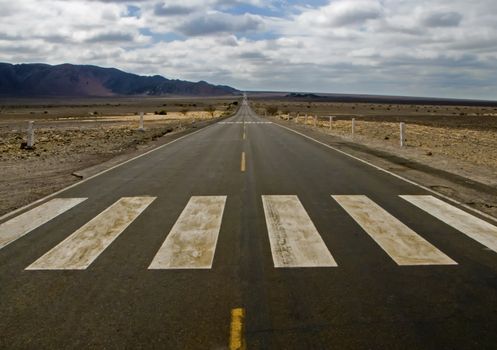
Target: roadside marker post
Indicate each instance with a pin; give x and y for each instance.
(141, 122)
(402, 133)
(331, 121)
(315, 121)
(31, 135)
(353, 127)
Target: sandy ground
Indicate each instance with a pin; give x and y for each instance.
(66, 145)
(452, 145)
(429, 114)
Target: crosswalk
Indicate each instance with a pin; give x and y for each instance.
(479, 230)
(27, 222)
(81, 248)
(192, 241)
(294, 240)
(401, 243)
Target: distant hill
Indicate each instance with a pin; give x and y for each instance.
(24, 80)
(361, 98)
(303, 95)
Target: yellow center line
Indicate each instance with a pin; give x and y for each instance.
(243, 162)
(236, 329)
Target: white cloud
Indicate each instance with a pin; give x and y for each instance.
(443, 19)
(216, 22)
(343, 13)
(409, 47)
(164, 9)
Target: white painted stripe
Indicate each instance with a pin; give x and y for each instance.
(21, 225)
(81, 248)
(294, 240)
(401, 243)
(478, 229)
(191, 244)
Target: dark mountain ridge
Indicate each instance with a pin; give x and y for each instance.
(26, 80)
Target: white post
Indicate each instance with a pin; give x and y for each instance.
(315, 120)
(141, 122)
(402, 132)
(353, 127)
(331, 120)
(31, 135)
(297, 119)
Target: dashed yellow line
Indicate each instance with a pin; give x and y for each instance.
(236, 329)
(242, 166)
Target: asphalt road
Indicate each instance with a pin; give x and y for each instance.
(274, 241)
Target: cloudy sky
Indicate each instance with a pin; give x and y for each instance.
(445, 48)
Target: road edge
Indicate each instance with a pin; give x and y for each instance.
(454, 201)
(125, 161)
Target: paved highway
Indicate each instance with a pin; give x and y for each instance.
(247, 235)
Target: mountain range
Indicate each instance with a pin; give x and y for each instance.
(31, 80)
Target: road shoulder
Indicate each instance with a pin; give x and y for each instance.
(475, 194)
(45, 186)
